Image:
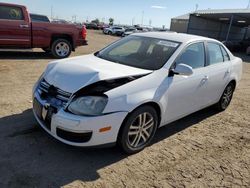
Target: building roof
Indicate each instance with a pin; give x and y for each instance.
(222, 11)
(241, 16)
(182, 17)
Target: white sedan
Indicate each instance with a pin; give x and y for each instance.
(127, 90)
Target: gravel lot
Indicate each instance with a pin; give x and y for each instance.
(205, 149)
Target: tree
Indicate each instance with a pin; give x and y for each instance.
(111, 21)
(96, 21)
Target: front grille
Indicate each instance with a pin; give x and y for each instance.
(47, 90)
(73, 137)
(53, 98)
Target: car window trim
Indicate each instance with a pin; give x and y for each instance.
(221, 47)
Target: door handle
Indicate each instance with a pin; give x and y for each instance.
(227, 72)
(24, 26)
(204, 80)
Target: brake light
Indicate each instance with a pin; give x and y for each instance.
(84, 32)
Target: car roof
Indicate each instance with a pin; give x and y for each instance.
(178, 37)
(32, 14)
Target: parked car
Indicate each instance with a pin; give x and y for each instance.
(92, 26)
(114, 30)
(102, 26)
(39, 18)
(129, 31)
(125, 92)
(17, 30)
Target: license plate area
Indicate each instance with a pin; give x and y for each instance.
(44, 113)
(37, 108)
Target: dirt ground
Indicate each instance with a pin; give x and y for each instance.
(205, 149)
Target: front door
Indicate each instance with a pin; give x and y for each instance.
(14, 28)
(186, 93)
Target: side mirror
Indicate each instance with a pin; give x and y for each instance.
(182, 69)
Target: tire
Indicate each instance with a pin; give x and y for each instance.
(226, 97)
(61, 48)
(133, 137)
(109, 33)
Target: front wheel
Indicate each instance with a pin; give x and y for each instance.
(226, 97)
(138, 129)
(61, 48)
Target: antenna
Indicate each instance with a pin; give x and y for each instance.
(142, 19)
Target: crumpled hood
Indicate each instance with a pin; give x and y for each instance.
(74, 73)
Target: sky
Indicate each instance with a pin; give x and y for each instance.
(149, 12)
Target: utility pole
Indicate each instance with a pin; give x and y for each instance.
(142, 18)
(150, 22)
(51, 12)
(248, 6)
(196, 7)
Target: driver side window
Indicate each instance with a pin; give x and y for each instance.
(193, 55)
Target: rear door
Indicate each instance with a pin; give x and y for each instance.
(14, 27)
(217, 71)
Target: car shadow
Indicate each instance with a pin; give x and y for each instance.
(24, 55)
(31, 158)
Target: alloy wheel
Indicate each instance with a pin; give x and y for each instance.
(141, 130)
(62, 49)
(227, 96)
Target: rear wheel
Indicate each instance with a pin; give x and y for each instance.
(226, 97)
(138, 129)
(61, 48)
(110, 33)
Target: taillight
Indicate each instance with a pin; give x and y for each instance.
(84, 32)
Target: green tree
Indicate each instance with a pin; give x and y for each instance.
(111, 21)
(97, 21)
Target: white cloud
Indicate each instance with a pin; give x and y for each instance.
(158, 7)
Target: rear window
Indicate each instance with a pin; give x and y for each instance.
(39, 18)
(11, 13)
(214, 53)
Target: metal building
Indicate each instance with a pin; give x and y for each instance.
(224, 25)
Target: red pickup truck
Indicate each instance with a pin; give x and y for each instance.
(17, 31)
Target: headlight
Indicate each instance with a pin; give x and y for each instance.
(88, 105)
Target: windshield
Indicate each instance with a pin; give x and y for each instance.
(141, 52)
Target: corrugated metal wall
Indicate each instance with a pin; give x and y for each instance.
(179, 25)
(209, 28)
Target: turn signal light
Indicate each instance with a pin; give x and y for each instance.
(105, 129)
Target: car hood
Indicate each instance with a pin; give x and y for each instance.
(75, 73)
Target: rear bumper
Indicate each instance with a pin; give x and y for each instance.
(81, 42)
